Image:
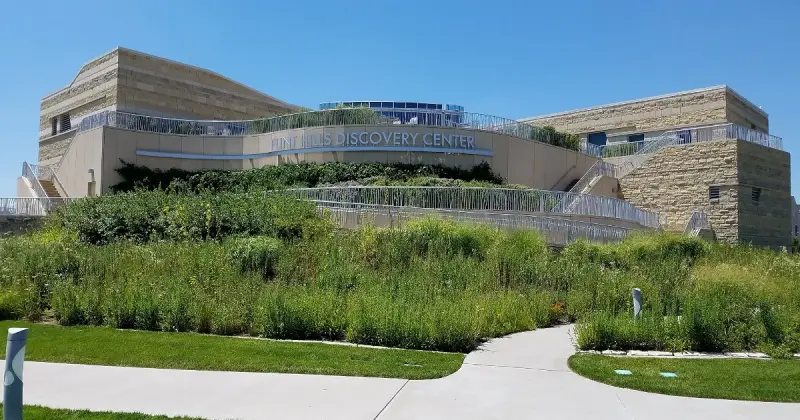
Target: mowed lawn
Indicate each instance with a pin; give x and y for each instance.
(111, 347)
(43, 413)
(735, 379)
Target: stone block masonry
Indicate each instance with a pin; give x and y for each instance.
(676, 181)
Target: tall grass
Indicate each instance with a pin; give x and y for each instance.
(432, 284)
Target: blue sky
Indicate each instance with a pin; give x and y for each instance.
(508, 58)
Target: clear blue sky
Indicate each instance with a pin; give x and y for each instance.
(508, 58)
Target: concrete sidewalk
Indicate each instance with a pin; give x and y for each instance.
(521, 376)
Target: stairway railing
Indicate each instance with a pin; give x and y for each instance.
(32, 173)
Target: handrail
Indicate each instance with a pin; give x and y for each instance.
(32, 173)
(728, 131)
(324, 118)
(697, 222)
(521, 201)
(556, 231)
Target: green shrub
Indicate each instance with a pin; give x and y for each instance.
(305, 174)
(155, 215)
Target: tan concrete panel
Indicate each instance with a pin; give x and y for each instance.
(264, 142)
(313, 157)
(233, 145)
(192, 144)
(250, 145)
(359, 157)
(232, 165)
(194, 164)
(213, 164)
(170, 143)
(213, 146)
(520, 163)
(499, 160)
(483, 140)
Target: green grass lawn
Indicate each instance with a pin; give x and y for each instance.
(736, 379)
(106, 346)
(43, 413)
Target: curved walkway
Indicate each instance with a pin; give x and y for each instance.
(524, 375)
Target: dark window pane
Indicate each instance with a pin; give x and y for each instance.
(374, 104)
(399, 104)
(636, 137)
(387, 104)
(411, 105)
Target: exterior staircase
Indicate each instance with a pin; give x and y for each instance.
(50, 188)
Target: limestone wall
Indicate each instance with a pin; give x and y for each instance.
(768, 221)
(131, 81)
(675, 182)
(155, 86)
(703, 106)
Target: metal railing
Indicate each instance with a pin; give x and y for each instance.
(326, 118)
(689, 136)
(32, 173)
(23, 206)
(554, 230)
(480, 199)
(697, 222)
(620, 149)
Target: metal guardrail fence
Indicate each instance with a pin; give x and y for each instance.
(480, 199)
(554, 230)
(689, 136)
(20, 206)
(324, 118)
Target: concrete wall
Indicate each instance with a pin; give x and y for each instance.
(519, 161)
(767, 222)
(85, 153)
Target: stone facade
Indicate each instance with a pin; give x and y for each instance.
(675, 182)
(126, 80)
(707, 106)
(765, 220)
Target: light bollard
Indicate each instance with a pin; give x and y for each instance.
(637, 303)
(12, 375)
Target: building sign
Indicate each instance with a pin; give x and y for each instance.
(360, 141)
(383, 139)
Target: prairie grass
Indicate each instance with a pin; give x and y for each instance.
(432, 285)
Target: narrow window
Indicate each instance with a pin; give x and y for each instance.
(54, 126)
(713, 192)
(65, 123)
(756, 195)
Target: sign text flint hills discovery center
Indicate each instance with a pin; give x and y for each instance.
(395, 140)
(707, 150)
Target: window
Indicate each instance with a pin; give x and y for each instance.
(54, 124)
(635, 137)
(684, 136)
(387, 104)
(713, 192)
(65, 124)
(756, 195)
(598, 139)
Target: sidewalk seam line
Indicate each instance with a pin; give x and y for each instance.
(517, 367)
(623, 406)
(391, 399)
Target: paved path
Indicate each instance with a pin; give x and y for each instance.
(521, 376)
